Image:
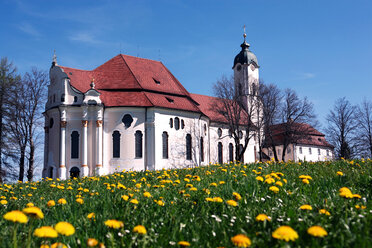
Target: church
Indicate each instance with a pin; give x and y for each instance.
(132, 113)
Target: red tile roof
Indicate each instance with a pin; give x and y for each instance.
(130, 81)
(209, 105)
(312, 137)
(206, 104)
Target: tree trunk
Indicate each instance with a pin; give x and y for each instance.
(30, 172)
(22, 163)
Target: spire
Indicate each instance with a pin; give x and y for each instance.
(244, 45)
(244, 34)
(92, 84)
(54, 61)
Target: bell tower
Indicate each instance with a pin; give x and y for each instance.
(246, 76)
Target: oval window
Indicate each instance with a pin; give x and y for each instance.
(127, 120)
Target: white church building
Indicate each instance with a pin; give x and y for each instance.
(132, 113)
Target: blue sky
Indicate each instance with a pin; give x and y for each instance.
(322, 49)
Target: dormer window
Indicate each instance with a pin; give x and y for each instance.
(156, 81)
(169, 100)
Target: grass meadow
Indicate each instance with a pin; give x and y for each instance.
(199, 207)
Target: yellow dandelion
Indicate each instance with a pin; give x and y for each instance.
(269, 180)
(146, 194)
(160, 203)
(91, 216)
(34, 212)
(323, 211)
(345, 192)
(213, 184)
(45, 232)
(306, 207)
(58, 245)
(3, 202)
(357, 196)
(65, 228)
(62, 201)
(139, 229)
(16, 216)
(317, 231)
(183, 243)
(305, 181)
(259, 178)
(285, 233)
(116, 224)
(237, 196)
(241, 240)
(51, 203)
(134, 201)
(232, 203)
(339, 173)
(263, 217)
(30, 204)
(80, 200)
(274, 189)
(217, 199)
(208, 199)
(125, 197)
(92, 242)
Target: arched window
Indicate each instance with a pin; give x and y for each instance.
(188, 147)
(50, 172)
(219, 132)
(176, 123)
(231, 152)
(138, 137)
(240, 150)
(51, 123)
(75, 98)
(171, 122)
(220, 157)
(201, 149)
(75, 144)
(127, 120)
(182, 124)
(165, 145)
(74, 172)
(116, 144)
(254, 89)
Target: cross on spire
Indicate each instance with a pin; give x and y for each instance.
(244, 34)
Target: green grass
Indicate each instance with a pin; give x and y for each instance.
(186, 214)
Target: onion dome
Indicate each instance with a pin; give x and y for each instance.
(245, 57)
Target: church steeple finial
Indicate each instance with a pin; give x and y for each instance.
(244, 34)
(54, 60)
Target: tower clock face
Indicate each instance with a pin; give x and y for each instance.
(253, 67)
(239, 67)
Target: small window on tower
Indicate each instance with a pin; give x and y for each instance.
(182, 124)
(63, 98)
(75, 98)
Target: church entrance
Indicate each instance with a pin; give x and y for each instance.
(74, 172)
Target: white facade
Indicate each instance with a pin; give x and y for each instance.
(80, 130)
(301, 152)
